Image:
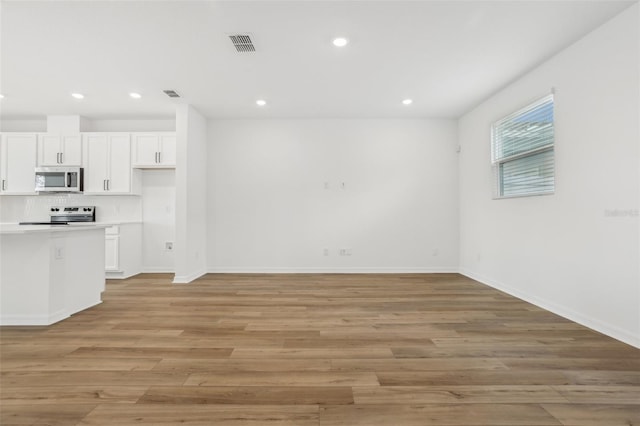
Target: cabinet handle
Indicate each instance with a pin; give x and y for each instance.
(62, 158)
(58, 157)
(104, 184)
(4, 184)
(108, 184)
(159, 157)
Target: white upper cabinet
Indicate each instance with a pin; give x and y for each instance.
(154, 150)
(17, 163)
(59, 150)
(107, 160)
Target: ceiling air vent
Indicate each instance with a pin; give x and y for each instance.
(242, 42)
(171, 93)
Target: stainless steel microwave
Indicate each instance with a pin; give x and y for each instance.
(59, 179)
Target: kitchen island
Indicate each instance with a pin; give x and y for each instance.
(48, 273)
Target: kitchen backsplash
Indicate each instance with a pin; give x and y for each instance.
(36, 207)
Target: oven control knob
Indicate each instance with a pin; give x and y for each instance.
(52, 209)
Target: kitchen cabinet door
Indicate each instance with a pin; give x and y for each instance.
(49, 150)
(167, 150)
(123, 250)
(71, 150)
(154, 150)
(145, 149)
(18, 153)
(96, 163)
(107, 159)
(111, 252)
(119, 179)
(59, 150)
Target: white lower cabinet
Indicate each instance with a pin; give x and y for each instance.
(111, 257)
(123, 250)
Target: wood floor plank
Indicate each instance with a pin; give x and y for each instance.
(44, 414)
(415, 365)
(93, 378)
(501, 394)
(64, 394)
(440, 415)
(81, 364)
(203, 415)
(314, 349)
(303, 353)
(252, 395)
(115, 352)
(281, 366)
(573, 363)
(208, 342)
(600, 394)
(603, 378)
(298, 378)
(471, 377)
(595, 414)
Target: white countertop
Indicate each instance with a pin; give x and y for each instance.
(29, 229)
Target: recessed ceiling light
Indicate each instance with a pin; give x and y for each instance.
(261, 102)
(135, 95)
(78, 95)
(1, 96)
(407, 102)
(340, 42)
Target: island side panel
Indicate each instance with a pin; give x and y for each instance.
(85, 271)
(48, 274)
(25, 275)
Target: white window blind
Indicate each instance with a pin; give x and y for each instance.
(522, 151)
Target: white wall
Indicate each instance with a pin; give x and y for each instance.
(158, 217)
(269, 209)
(191, 195)
(32, 125)
(566, 252)
(101, 125)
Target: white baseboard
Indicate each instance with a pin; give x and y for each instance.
(119, 275)
(331, 270)
(185, 279)
(595, 324)
(34, 319)
(158, 270)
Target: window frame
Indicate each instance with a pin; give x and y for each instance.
(498, 164)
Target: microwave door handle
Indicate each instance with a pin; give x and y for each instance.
(68, 180)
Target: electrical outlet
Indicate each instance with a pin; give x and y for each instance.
(345, 252)
(59, 252)
(168, 246)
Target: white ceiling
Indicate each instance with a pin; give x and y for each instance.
(445, 55)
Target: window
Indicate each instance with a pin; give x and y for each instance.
(522, 151)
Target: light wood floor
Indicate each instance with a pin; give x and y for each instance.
(303, 350)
